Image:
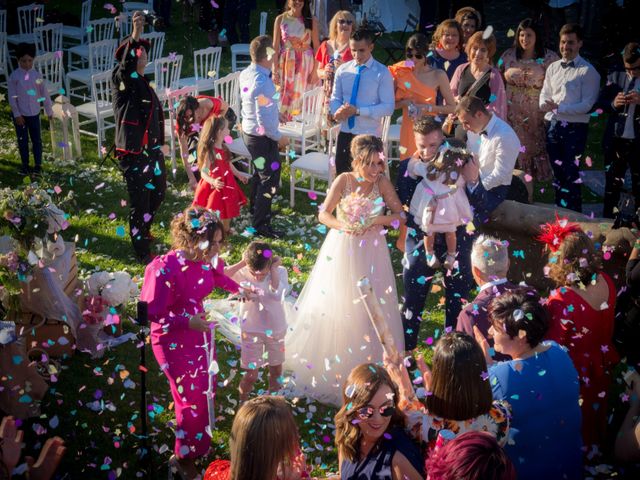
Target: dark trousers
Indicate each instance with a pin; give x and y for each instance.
(343, 152)
(265, 180)
(417, 277)
(237, 13)
(485, 201)
(30, 129)
(146, 179)
(565, 142)
(620, 155)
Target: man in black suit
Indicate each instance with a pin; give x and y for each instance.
(620, 98)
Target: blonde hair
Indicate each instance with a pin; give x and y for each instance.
(576, 262)
(212, 126)
(440, 31)
(362, 148)
(193, 231)
(363, 383)
(478, 39)
(263, 436)
(333, 24)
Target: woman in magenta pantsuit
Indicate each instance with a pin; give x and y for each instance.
(174, 286)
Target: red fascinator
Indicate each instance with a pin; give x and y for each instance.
(552, 234)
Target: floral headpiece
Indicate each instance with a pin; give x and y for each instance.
(200, 220)
(553, 234)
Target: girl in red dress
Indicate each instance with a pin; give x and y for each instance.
(218, 189)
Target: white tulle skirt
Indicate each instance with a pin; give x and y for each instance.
(329, 330)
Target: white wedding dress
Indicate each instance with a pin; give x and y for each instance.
(329, 330)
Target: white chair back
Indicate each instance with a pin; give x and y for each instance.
(167, 74)
(125, 24)
(228, 88)
(29, 17)
(156, 39)
(206, 64)
(312, 107)
(102, 56)
(3, 21)
(85, 16)
(50, 67)
(133, 6)
(48, 38)
(263, 23)
(100, 29)
(101, 92)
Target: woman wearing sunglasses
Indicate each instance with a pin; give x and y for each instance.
(417, 88)
(334, 51)
(458, 394)
(370, 436)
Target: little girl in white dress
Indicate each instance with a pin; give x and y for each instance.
(440, 204)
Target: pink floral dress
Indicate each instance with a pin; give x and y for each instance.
(524, 79)
(296, 62)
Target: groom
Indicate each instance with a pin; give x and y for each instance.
(416, 274)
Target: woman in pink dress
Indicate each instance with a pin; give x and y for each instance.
(295, 38)
(524, 66)
(174, 287)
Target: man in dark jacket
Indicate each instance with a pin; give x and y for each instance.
(139, 137)
(620, 98)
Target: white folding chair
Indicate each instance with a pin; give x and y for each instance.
(242, 49)
(206, 66)
(48, 38)
(99, 110)
(101, 59)
(173, 99)
(305, 131)
(156, 39)
(97, 31)
(75, 33)
(313, 166)
(4, 59)
(52, 70)
(29, 17)
(3, 21)
(167, 75)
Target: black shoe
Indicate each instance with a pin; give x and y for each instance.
(24, 171)
(37, 172)
(269, 233)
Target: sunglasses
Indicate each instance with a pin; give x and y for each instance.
(417, 56)
(367, 412)
(343, 21)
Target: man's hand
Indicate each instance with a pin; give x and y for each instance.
(633, 97)
(620, 101)
(549, 106)
(282, 117)
(20, 121)
(138, 25)
(283, 142)
(344, 112)
(471, 171)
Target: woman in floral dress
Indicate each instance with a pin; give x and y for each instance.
(295, 38)
(524, 66)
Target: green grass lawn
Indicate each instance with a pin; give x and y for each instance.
(94, 405)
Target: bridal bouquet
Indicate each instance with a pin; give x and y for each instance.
(358, 211)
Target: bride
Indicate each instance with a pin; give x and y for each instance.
(329, 330)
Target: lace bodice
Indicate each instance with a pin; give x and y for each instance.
(357, 209)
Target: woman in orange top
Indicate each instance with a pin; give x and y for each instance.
(420, 90)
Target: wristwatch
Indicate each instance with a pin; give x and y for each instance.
(357, 112)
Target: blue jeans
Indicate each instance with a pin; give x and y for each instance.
(31, 128)
(565, 142)
(417, 277)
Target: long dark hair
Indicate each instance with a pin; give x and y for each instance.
(184, 124)
(539, 47)
(306, 13)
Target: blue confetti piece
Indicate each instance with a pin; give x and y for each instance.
(120, 232)
(493, 98)
(150, 186)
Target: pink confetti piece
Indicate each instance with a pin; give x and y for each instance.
(228, 139)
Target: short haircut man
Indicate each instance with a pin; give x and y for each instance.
(258, 48)
(490, 256)
(572, 28)
(471, 105)
(426, 125)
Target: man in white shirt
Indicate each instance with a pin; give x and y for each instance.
(571, 87)
(496, 147)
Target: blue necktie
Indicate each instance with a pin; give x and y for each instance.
(354, 95)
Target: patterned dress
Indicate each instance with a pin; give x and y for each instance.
(296, 63)
(523, 80)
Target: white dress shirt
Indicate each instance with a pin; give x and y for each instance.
(376, 95)
(496, 151)
(575, 90)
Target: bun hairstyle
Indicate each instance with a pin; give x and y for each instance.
(362, 148)
(193, 231)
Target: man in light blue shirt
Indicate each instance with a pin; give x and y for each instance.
(362, 94)
(260, 121)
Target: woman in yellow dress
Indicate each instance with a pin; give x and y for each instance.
(295, 38)
(420, 90)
